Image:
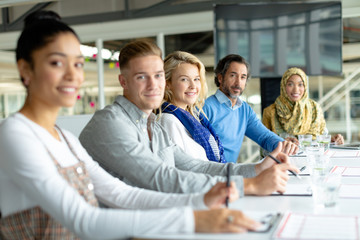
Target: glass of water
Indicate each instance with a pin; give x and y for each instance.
(324, 141)
(304, 141)
(325, 188)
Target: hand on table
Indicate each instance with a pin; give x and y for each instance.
(223, 220)
(338, 139)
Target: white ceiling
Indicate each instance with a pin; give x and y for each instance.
(139, 27)
(144, 27)
(11, 3)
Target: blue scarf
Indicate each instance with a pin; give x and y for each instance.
(200, 132)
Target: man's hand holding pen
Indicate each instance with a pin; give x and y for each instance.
(270, 175)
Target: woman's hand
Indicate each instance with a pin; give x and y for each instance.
(290, 147)
(338, 139)
(216, 196)
(293, 140)
(223, 220)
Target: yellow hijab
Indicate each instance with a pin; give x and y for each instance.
(301, 117)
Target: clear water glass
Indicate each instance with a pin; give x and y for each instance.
(319, 164)
(325, 187)
(304, 141)
(314, 149)
(324, 141)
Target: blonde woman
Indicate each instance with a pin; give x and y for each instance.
(182, 114)
(293, 111)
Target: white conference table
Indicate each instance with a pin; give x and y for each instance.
(282, 204)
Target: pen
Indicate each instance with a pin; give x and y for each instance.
(278, 162)
(303, 168)
(227, 184)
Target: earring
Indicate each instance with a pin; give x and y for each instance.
(26, 81)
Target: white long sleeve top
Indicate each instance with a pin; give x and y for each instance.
(181, 136)
(29, 178)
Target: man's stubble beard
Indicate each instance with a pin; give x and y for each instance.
(227, 92)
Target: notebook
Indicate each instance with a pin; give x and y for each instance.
(354, 146)
(315, 226)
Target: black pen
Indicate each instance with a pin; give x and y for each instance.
(278, 162)
(303, 168)
(227, 184)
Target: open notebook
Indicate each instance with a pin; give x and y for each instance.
(321, 227)
(301, 189)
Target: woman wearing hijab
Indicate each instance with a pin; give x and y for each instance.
(293, 111)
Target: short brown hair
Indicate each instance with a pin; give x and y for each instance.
(138, 48)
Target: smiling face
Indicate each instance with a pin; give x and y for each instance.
(54, 78)
(143, 81)
(295, 88)
(185, 85)
(234, 81)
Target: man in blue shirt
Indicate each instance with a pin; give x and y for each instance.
(233, 118)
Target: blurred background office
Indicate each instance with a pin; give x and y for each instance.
(189, 25)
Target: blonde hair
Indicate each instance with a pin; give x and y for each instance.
(171, 62)
(138, 48)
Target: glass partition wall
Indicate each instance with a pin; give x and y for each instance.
(12, 93)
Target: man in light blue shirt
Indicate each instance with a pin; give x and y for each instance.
(233, 118)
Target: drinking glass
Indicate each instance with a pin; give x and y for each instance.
(324, 141)
(314, 149)
(325, 187)
(304, 141)
(319, 164)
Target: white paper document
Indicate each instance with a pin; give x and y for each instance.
(310, 226)
(347, 171)
(302, 164)
(302, 189)
(349, 191)
(267, 219)
(333, 153)
(299, 154)
(304, 170)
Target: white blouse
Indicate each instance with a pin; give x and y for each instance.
(29, 178)
(181, 136)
